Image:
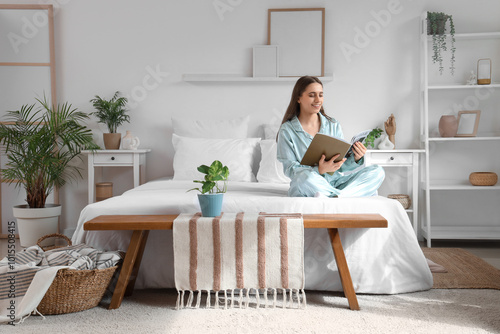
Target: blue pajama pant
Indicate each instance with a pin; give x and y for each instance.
(363, 182)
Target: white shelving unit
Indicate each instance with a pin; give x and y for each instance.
(433, 93)
(218, 77)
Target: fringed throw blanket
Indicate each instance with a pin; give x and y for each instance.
(235, 255)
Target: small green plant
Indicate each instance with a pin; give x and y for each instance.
(437, 28)
(370, 139)
(213, 174)
(111, 112)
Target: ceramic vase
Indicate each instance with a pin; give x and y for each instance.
(130, 142)
(112, 140)
(448, 126)
(385, 143)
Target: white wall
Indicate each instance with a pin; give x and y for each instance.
(105, 46)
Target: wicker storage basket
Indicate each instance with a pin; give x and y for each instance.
(75, 290)
(483, 178)
(403, 199)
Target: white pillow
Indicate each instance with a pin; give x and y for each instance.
(237, 154)
(271, 130)
(270, 168)
(209, 128)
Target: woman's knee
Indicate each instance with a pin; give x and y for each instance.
(377, 172)
(307, 184)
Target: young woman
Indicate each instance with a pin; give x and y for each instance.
(304, 118)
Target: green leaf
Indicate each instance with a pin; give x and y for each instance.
(207, 187)
(203, 169)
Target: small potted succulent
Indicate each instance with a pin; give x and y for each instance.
(436, 27)
(211, 193)
(112, 113)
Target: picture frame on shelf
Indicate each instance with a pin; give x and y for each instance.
(300, 35)
(266, 61)
(468, 122)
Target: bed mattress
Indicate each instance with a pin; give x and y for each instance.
(383, 261)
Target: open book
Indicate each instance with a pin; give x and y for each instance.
(330, 146)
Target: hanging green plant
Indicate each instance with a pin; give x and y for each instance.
(436, 27)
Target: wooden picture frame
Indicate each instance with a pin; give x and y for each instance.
(266, 61)
(25, 66)
(468, 122)
(300, 35)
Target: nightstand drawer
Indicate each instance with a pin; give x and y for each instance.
(110, 158)
(396, 158)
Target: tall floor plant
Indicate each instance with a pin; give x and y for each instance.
(41, 143)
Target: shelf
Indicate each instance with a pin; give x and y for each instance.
(404, 150)
(192, 77)
(457, 185)
(463, 86)
(463, 138)
(463, 232)
(474, 35)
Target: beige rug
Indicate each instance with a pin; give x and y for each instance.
(465, 270)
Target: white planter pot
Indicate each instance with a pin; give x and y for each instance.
(33, 224)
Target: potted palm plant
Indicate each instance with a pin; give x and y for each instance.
(40, 144)
(211, 193)
(112, 113)
(436, 27)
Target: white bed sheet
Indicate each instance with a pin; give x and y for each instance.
(381, 260)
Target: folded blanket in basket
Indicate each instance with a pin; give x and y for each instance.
(238, 253)
(26, 277)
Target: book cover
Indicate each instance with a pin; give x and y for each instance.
(330, 146)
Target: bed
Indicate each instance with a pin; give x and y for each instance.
(381, 261)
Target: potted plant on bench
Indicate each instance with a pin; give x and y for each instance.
(112, 113)
(211, 194)
(40, 145)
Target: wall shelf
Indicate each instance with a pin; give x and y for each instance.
(463, 86)
(218, 77)
(464, 138)
(456, 185)
(463, 232)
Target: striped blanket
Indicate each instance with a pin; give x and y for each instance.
(26, 277)
(242, 254)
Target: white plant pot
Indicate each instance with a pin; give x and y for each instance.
(33, 224)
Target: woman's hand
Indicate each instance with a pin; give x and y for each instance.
(359, 150)
(329, 166)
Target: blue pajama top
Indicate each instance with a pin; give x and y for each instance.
(293, 142)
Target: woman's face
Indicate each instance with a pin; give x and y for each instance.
(311, 99)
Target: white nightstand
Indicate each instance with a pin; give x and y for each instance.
(401, 158)
(117, 158)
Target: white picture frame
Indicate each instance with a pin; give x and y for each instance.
(300, 35)
(266, 61)
(468, 122)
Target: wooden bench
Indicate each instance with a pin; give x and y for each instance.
(142, 224)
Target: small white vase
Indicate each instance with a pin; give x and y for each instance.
(385, 143)
(130, 142)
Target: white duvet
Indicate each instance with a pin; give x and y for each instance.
(381, 260)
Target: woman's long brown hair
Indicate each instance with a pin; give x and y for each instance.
(294, 106)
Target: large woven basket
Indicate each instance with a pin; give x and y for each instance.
(483, 178)
(403, 199)
(75, 290)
